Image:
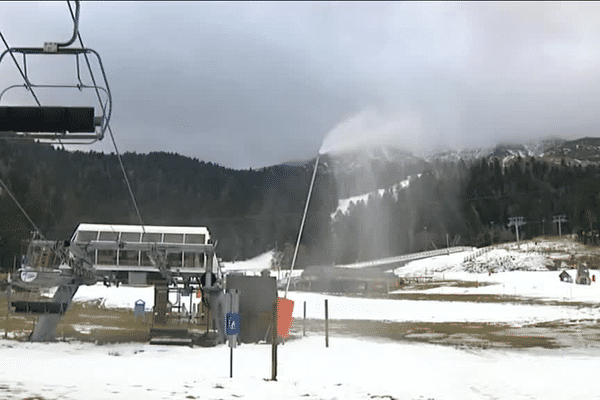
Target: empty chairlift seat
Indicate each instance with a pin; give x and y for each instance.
(47, 119)
(40, 307)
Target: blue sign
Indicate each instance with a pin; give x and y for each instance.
(232, 324)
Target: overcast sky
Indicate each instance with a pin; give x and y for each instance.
(256, 84)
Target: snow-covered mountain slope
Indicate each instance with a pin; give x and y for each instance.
(344, 204)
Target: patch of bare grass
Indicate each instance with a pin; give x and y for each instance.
(482, 335)
(87, 322)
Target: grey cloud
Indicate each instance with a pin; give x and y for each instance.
(254, 84)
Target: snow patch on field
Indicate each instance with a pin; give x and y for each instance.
(356, 308)
(116, 297)
(520, 271)
(349, 369)
(252, 266)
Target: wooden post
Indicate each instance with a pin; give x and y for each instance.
(326, 325)
(304, 324)
(6, 326)
(274, 344)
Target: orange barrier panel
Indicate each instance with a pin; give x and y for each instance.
(285, 307)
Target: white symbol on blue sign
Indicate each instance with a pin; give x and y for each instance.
(232, 325)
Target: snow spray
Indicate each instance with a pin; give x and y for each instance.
(365, 129)
(369, 128)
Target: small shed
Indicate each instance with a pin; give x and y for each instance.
(334, 279)
(258, 294)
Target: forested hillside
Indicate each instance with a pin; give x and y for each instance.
(248, 212)
(253, 211)
(471, 204)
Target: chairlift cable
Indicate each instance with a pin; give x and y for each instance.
(112, 137)
(21, 208)
(27, 83)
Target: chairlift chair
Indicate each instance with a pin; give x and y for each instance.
(67, 125)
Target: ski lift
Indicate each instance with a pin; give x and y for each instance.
(67, 125)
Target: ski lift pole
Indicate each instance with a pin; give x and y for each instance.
(312, 182)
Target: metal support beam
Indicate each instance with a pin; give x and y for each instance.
(516, 222)
(147, 246)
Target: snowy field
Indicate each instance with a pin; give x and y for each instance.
(353, 367)
(521, 273)
(349, 369)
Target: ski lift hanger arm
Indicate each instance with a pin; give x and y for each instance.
(75, 27)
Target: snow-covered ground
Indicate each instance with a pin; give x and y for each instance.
(116, 297)
(348, 308)
(519, 272)
(254, 266)
(352, 367)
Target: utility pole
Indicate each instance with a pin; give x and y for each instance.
(517, 222)
(543, 227)
(560, 219)
(492, 232)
